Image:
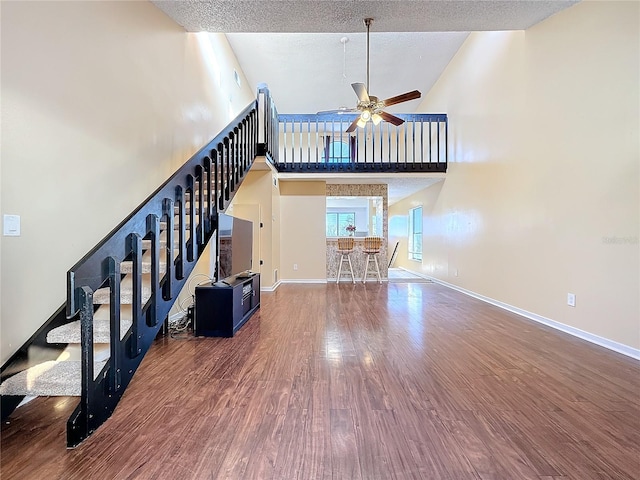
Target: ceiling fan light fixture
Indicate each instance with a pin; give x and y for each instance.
(369, 106)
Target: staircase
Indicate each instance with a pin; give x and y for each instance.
(119, 295)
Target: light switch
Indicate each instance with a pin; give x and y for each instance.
(11, 226)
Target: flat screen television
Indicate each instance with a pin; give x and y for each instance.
(235, 246)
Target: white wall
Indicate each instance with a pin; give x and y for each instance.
(101, 102)
(542, 193)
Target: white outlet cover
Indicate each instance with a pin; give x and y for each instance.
(571, 299)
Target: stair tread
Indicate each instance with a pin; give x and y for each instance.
(52, 378)
(127, 266)
(146, 244)
(70, 332)
(101, 296)
(176, 225)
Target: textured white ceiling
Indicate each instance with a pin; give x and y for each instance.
(294, 46)
(341, 16)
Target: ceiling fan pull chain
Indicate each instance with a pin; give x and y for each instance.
(344, 41)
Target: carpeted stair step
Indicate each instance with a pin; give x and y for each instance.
(70, 332)
(176, 225)
(101, 295)
(127, 266)
(176, 209)
(205, 196)
(52, 378)
(146, 244)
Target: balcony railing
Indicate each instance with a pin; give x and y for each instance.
(309, 143)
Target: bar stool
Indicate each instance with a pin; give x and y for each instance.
(371, 248)
(345, 247)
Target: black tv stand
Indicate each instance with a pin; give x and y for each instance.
(244, 276)
(222, 308)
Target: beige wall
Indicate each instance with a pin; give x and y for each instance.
(542, 193)
(258, 189)
(302, 236)
(276, 225)
(90, 91)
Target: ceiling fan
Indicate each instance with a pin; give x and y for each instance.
(370, 107)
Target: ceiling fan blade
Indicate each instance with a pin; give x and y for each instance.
(387, 117)
(338, 111)
(405, 97)
(361, 92)
(353, 126)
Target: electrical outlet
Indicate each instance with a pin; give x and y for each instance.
(571, 299)
(455, 273)
(295, 266)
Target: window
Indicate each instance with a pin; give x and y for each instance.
(337, 223)
(415, 234)
(338, 152)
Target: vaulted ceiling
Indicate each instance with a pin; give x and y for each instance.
(298, 47)
(295, 46)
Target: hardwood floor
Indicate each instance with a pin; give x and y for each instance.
(392, 381)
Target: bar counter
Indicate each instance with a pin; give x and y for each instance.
(357, 260)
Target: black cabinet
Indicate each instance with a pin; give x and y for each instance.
(223, 307)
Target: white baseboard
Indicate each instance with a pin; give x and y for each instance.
(272, 288)
(576, 332)
(417, 274)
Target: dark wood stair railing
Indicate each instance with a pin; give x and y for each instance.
(186, 205)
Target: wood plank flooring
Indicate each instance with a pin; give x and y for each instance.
(392, 381)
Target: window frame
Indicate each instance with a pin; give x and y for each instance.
(337, 223)
(415, 253)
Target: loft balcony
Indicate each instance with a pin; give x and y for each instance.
(319, 143)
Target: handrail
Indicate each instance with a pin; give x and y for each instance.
(185, 209)
(217, 149)
(310, 142)
(269, 136)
